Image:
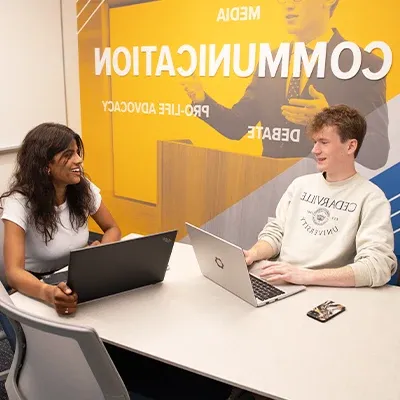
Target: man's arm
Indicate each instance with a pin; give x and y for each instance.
(262, 250)
(270, 238)
(341, 277)
(374, 262)
(233, 123)
(276, 272)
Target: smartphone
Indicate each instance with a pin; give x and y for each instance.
(326, 311)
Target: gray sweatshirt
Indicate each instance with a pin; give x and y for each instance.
(321, 224)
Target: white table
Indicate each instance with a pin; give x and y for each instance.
(275, 350)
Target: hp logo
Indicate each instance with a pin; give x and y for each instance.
(219, 262)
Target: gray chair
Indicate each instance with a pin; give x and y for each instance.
(6, 331)
(59, 361)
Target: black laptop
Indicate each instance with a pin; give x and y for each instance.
(112, 268)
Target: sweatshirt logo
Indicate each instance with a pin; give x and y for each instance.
(320, 216)
(323, 213)
(316, 229)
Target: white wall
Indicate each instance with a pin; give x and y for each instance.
(6, 168)
(71, 64)
(71, 75)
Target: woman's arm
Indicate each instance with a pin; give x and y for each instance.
(107, 224)
(23, 281)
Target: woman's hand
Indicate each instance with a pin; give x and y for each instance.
(63, 299)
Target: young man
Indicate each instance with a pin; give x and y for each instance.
(331, 228)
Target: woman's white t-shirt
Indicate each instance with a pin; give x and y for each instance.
(40, 257)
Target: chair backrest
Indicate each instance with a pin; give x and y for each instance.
(58, 361)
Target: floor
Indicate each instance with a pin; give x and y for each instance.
(6, 356)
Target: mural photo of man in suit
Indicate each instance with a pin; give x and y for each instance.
(283, 106)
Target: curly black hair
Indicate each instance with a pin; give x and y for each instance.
(32, 180)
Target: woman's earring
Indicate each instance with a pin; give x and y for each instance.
(48, 171)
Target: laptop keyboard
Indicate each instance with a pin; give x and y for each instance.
(56, 278)
(264, 290)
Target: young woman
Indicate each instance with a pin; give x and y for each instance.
(45, 215)
(46, 211)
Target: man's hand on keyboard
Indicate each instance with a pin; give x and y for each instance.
(250, 256)
(274, 272)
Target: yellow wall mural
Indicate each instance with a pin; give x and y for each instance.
(189, 107)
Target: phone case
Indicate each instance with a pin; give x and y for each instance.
(326, 311)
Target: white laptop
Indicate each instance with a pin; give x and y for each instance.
(224, 263)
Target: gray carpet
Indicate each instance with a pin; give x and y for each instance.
(6, 356)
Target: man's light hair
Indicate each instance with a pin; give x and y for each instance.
(349, 123)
